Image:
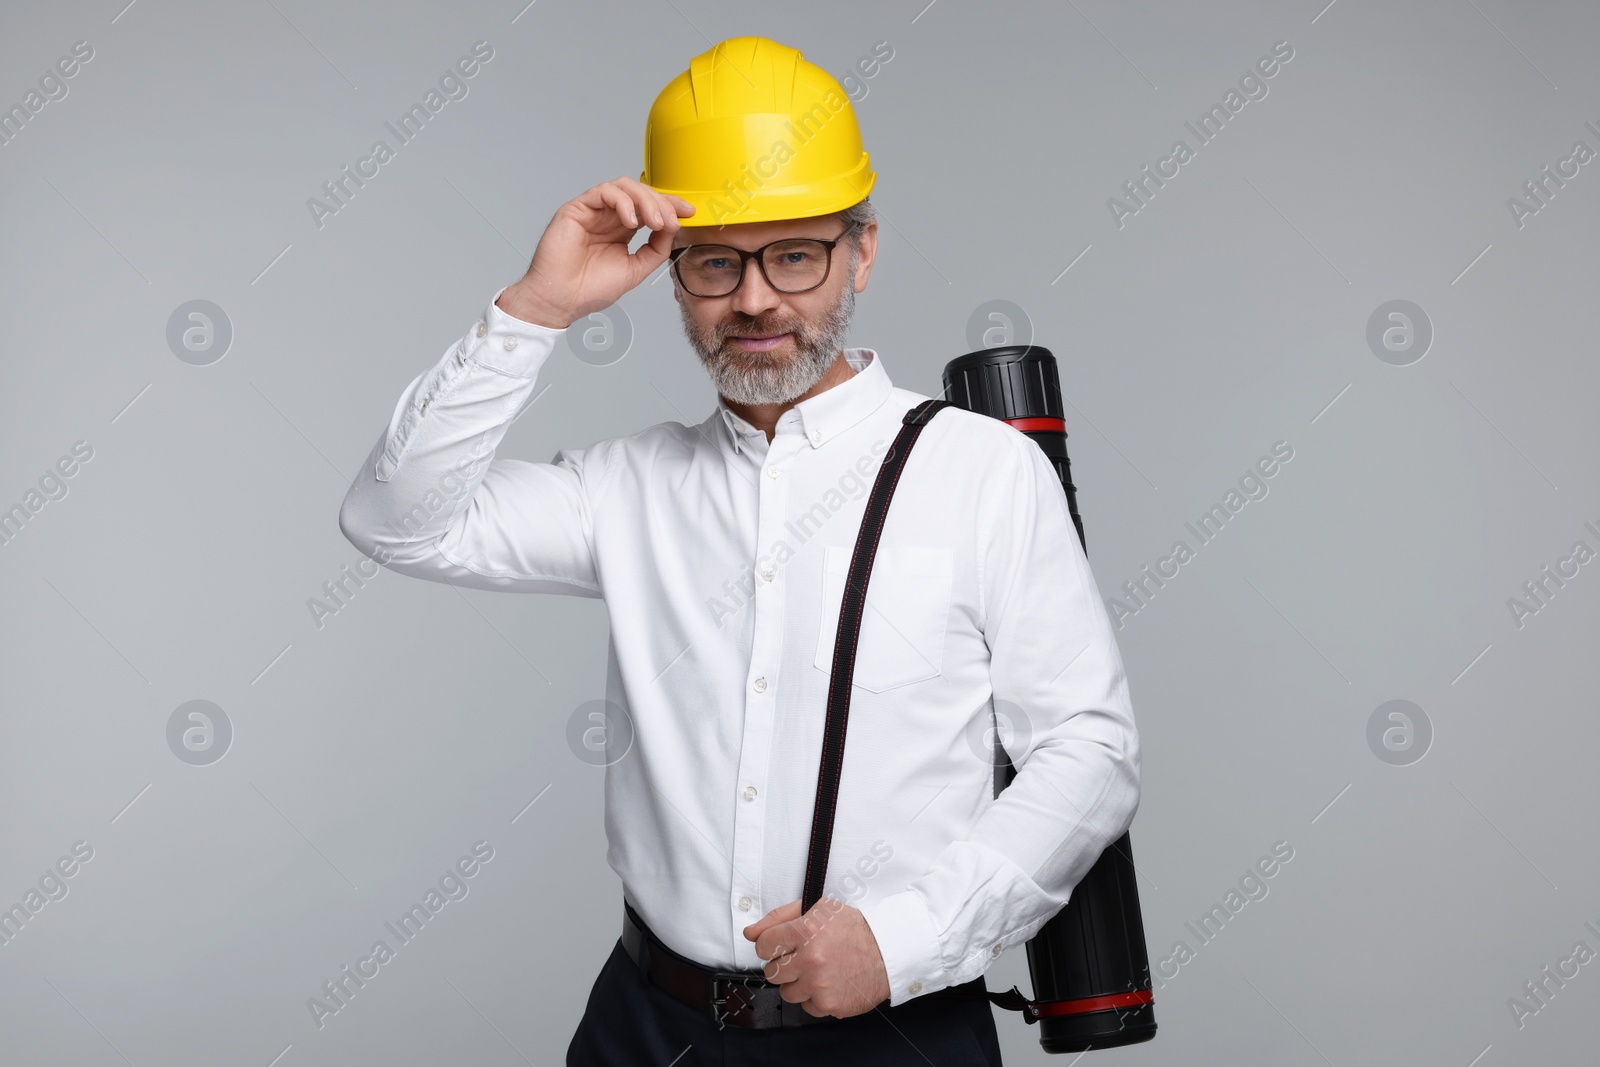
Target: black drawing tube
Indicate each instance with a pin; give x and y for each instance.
(1089, 965)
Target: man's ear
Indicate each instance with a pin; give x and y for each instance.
(868, 253)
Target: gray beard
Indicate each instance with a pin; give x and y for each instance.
(761, 377)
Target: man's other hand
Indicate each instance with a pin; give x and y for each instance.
(825, 960)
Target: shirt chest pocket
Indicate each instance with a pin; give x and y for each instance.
(907, 610)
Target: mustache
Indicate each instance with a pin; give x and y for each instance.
(758, 327)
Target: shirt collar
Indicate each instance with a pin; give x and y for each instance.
(825, 416)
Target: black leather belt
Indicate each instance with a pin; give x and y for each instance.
(742, 999)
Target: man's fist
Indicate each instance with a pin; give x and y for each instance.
(825, 960)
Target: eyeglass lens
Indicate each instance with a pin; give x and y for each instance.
(792, 266)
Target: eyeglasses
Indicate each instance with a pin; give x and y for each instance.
(792, 265)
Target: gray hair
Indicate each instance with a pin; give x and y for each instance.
(856, 216)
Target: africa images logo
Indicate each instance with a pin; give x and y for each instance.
(341, 189)
(1141, 590)
(1252, 86)
(453, 885)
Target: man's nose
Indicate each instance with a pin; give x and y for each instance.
(754, 295)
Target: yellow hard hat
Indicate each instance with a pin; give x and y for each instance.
(751, 132)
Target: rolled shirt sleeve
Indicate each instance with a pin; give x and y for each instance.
(1058, 677)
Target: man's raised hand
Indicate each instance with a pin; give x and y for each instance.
(582, 263)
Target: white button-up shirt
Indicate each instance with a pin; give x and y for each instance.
(722, 560)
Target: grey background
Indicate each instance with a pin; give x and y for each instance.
(1228, 314)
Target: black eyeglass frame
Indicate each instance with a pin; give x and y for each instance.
(745, 257)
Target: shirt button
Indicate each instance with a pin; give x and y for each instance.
(995, 951)
(483, 328)
(767, 573)
(749, 792)
(772, 472)
(816, 439)
(915, 988)
(761, 685)
(509, 343)
(744, 903)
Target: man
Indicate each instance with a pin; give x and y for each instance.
(721, 550)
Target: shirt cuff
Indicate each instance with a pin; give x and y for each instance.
(507, 344)
(909, 943)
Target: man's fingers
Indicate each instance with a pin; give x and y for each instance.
(634, 205)
(641, 208)
(791, 929)
(653, 207)
(661, 210)
(782, 944)
(782, 967)
(650, 255)
(655, 251)
(824, 911)
(606, 198)
(781, 914)
(624, 206)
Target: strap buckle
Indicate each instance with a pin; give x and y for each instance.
(924, 411)
(1013, 1000)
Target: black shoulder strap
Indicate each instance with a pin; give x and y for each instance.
(844, 665)
(844, 645)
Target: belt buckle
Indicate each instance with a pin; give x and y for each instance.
(739, 989)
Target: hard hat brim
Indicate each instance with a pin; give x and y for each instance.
(719, 207)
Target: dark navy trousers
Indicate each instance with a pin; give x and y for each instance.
(630, 1022)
